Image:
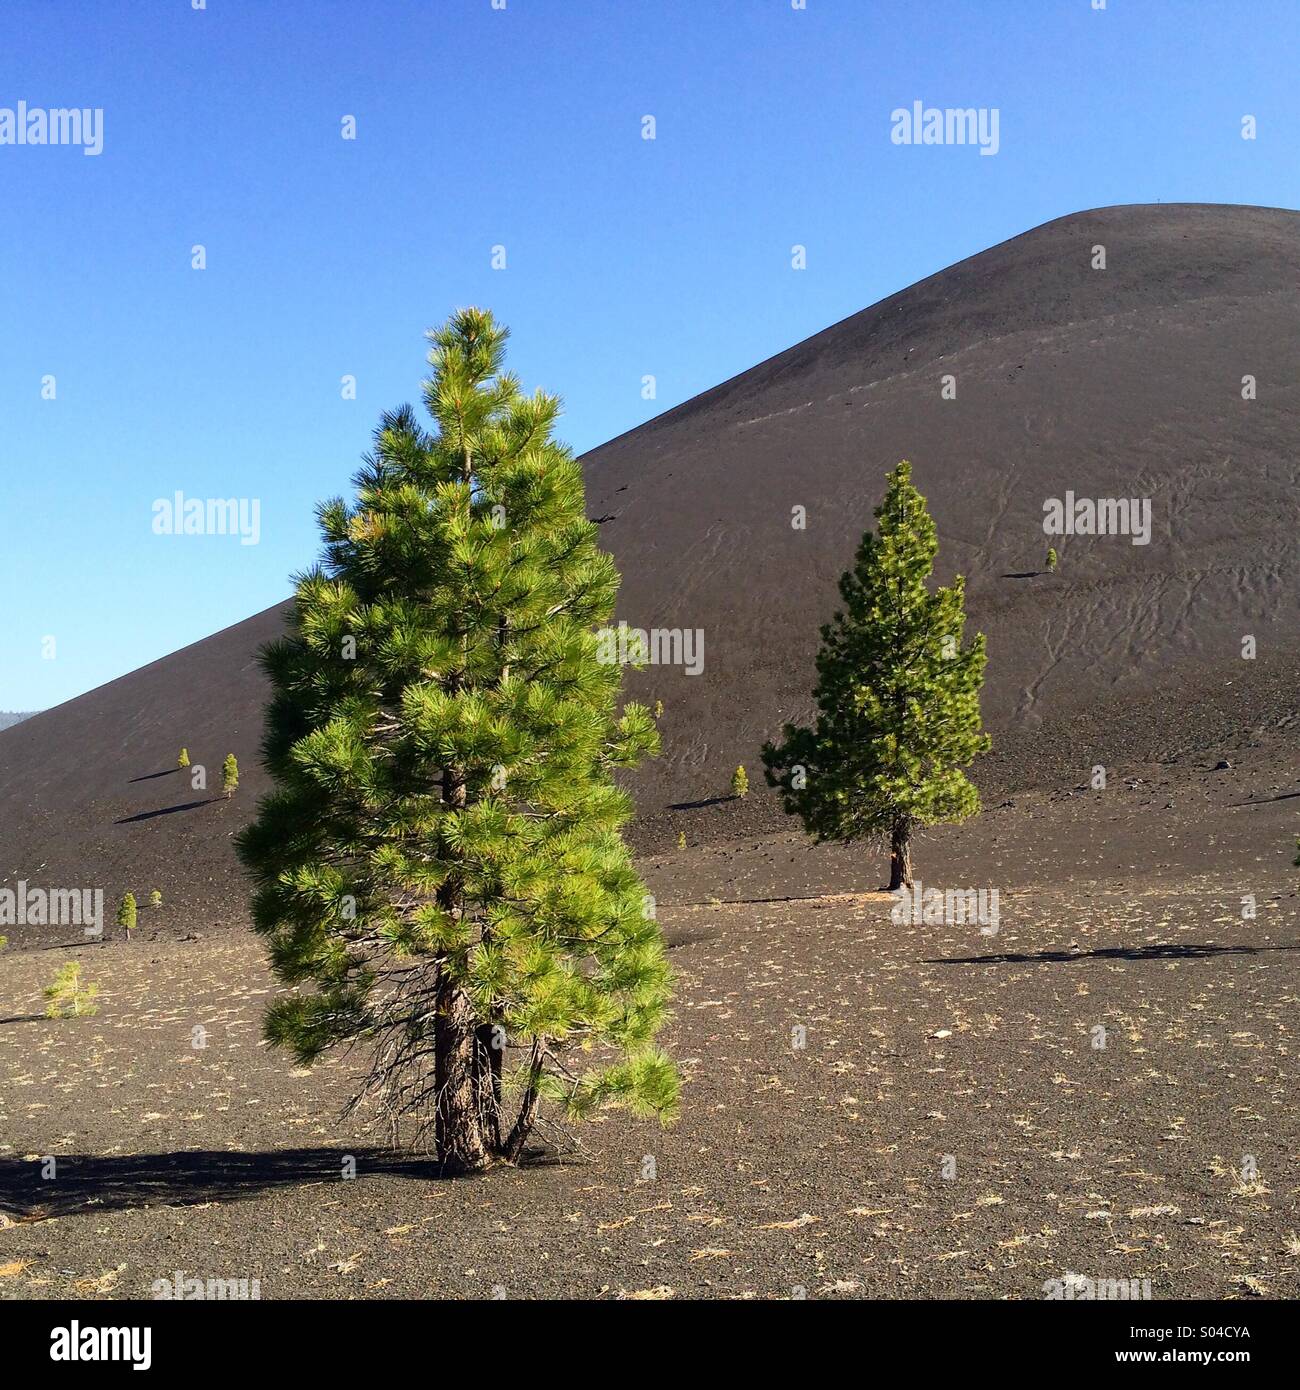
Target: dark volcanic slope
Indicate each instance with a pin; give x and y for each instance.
(90, 794)
(1123, 382)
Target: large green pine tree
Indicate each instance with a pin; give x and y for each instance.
(897, 697)
(440, 869)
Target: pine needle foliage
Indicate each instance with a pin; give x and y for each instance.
(440, 868)
(897, 696)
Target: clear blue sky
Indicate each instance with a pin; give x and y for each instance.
(521, 127)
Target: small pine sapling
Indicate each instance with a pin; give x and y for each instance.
(183, 760)
(740, 782)
(69, 996)
(155, 898)
(1052, 558)
(229, 775)
(126, 911)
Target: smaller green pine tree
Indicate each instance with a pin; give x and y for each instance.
(740, 782)
(659, 709)
(681, 839)
(898, 716)
(184, 759)
(1051, 561)
(229, 775)
(126, 914)
(68, 995)
(4, 941)
(155, 898)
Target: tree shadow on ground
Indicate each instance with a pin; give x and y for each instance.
(88, 1183)
(678, 940)
(22, 1018)
(1022, 574)
(1161, 952)
(695, 805)
(168, 810)
(149, 776)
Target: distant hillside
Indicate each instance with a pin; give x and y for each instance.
(11, 717)
(1015, 377)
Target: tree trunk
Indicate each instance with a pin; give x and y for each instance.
(900, 857)
(489, 1084)
(518, 1136)
(462, 1145)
